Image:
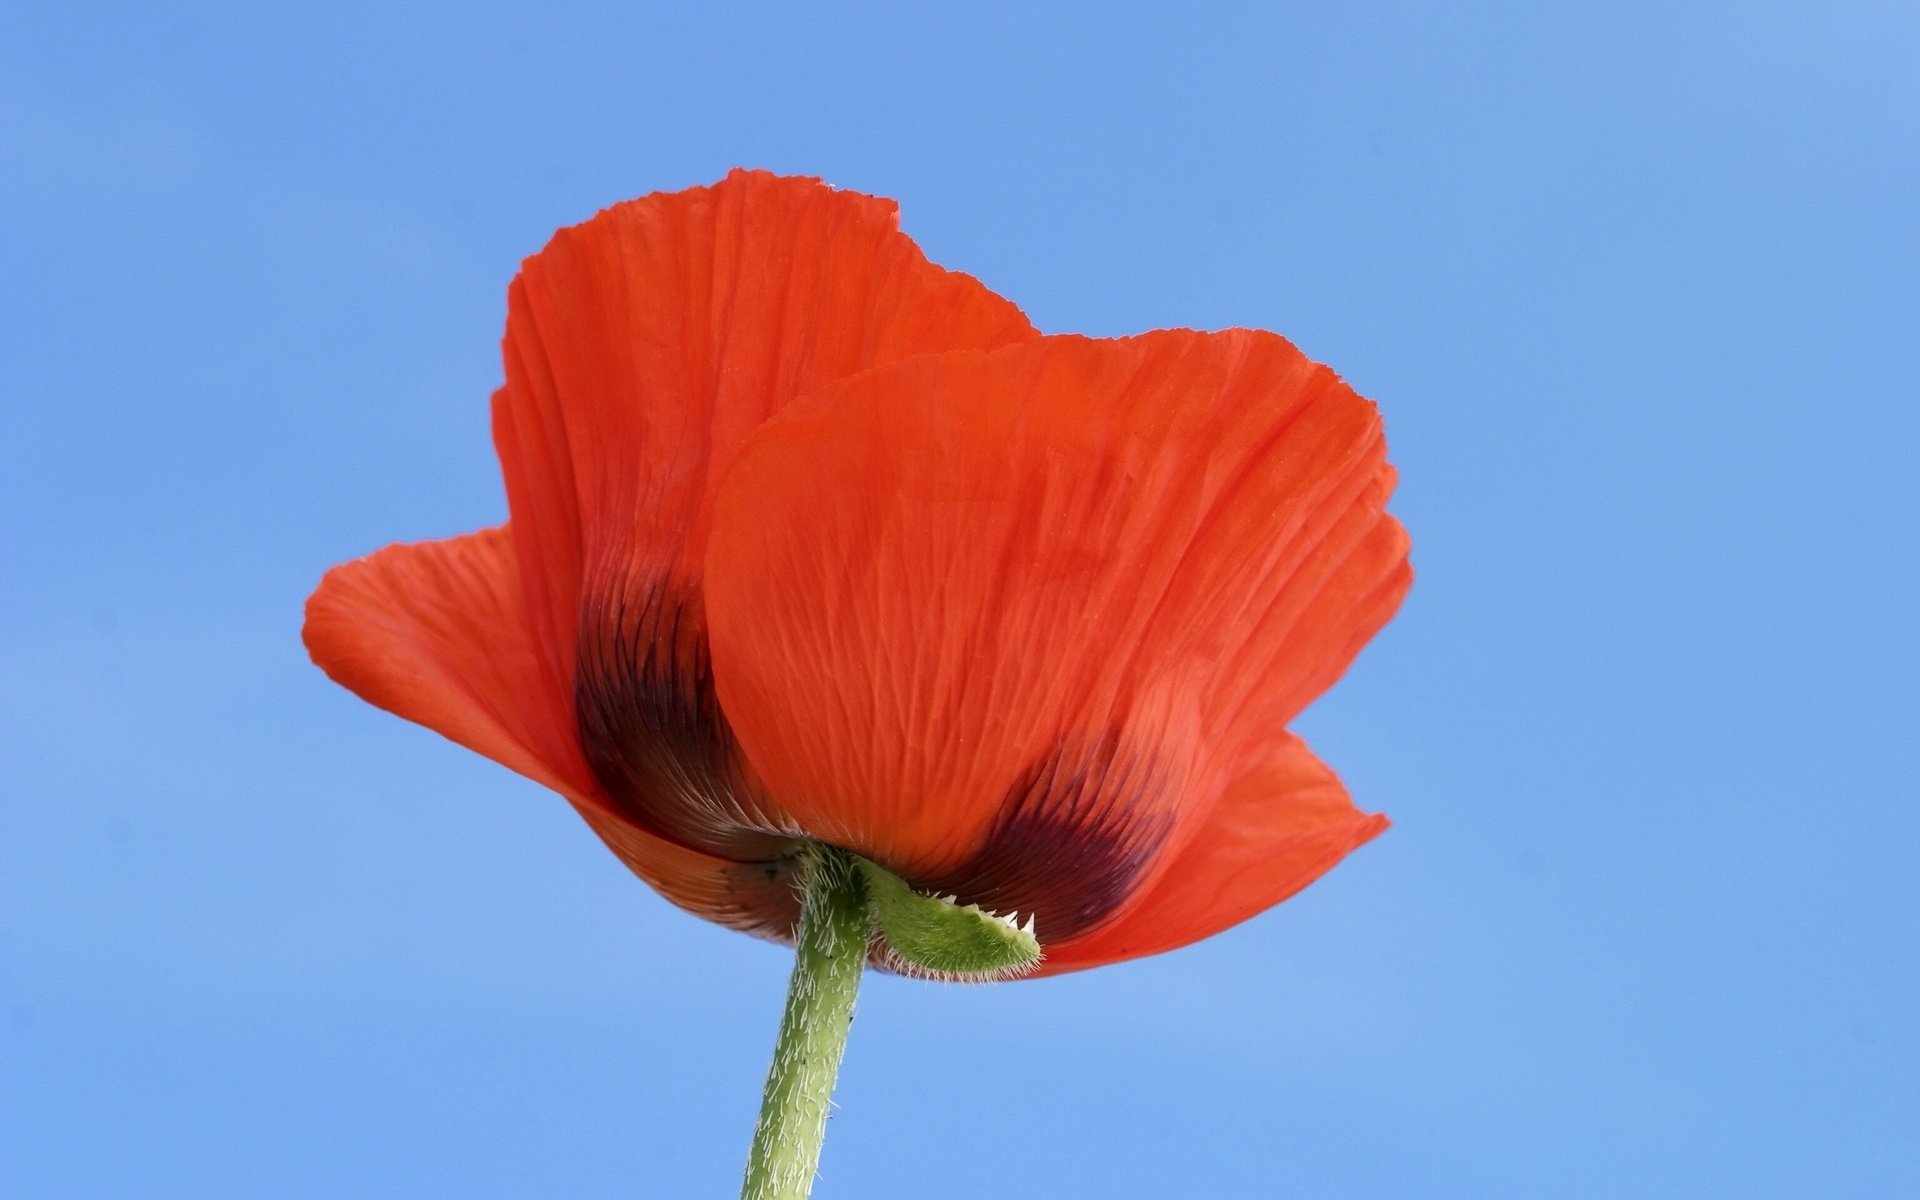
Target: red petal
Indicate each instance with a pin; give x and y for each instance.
(642, 348)
(1282, 823)
(1006, 622)
(436, 632)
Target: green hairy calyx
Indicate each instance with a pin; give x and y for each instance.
(941, 938)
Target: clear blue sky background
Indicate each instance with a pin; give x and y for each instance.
(1635, 285)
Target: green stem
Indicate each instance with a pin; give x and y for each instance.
(830, 952)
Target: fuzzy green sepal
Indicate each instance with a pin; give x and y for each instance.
(939, 937)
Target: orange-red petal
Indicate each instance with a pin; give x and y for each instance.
(436, 632)
(1008, 622)
(1283, 821)
(642, 348)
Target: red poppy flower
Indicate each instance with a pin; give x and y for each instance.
(812, 539)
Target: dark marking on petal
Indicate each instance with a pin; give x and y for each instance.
(761, 898)
(1075, 836)
(651, 727)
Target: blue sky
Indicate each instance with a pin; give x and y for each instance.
(1634, 284)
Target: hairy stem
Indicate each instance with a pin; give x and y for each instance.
(830, 952)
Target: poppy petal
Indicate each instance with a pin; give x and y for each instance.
(1283, 822)
(1003, 621)
(436, 632)
(642, 348)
